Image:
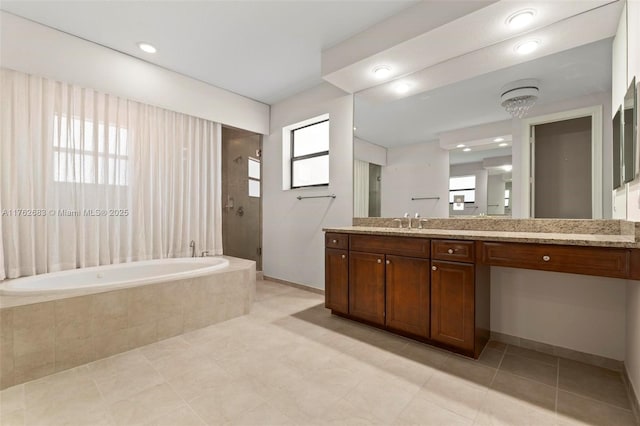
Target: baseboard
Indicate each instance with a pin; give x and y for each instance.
(633, 396)
(559, 351)
(296, 285)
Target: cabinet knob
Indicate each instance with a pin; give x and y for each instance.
(334, 241)
(546, 258)
(379, 260)
(450, 251)
(344, 256)
(388, 262)
(434, 268)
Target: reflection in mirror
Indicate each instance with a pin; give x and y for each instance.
(417, 141)
(483, 177)
(629, 141)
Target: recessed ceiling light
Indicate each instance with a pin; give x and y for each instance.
(401, 88)
(467, 149)
(521, 18)
(461, 145)
(503, 144)
(146, 47)
(527, 47)
(382, 71)
(498, 139)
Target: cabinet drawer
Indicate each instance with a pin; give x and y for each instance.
(337, 241)
(403, 246)
(455, 250)
(606, 262)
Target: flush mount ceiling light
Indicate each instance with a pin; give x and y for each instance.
(382, 71)
(507, 167)
(521, 18)
(498, 139)
(467, 149)
(401, 88)
(518, 97)
(504, 144)
(146, 47)
(527, 47)
(460, 145)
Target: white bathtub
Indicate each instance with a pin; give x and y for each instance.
(114, 276)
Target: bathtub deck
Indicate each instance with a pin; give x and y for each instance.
(39, 338)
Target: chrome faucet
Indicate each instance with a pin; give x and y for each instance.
(406, 216)
(205, 253)
(420, 222)
(192, 245)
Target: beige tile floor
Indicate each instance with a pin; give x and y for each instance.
(290, 362)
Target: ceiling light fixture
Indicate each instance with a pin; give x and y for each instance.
(518, 97)
(504, 144)
(527, 47)
(382, 71)
(498, 139)
(507, 167)
(460, 145)
(467, 149)
(521, 18)
(146, 47)
(401, 88)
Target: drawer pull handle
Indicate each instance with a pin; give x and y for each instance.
(546, 258)
(434, 268)
(388, 262)
(450, 251)
(334, 241)
(379, 260)
(344, 256)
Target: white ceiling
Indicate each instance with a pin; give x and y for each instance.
(419, 118)
(265, 50)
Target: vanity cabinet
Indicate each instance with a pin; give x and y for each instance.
(599, 261)
(366, 287)
(459, 296)
(336, 270)
(408, 294)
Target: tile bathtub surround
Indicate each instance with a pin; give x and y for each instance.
(290, 362)
(44, 338)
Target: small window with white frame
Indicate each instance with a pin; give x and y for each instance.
(310, 155)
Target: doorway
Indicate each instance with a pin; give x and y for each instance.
(562, 180)
(242, 194)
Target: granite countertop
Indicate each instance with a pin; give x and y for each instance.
(593, 240)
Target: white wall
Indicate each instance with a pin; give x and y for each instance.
(626, 65)
(579, 312)
(369, 152)
(419, 170)
(293, 241)
(36, 49)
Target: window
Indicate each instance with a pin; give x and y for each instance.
(254, 177)
(507, 195)
(310, 155)
(82, 155)
(462, 185)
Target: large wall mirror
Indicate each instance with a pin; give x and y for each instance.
(455, 150)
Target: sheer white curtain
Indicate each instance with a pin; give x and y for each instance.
(360, 188)
(89, 179)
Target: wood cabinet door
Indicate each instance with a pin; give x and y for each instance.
(452, 304)
(366, 286)
(407, 282)
(336, 277)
